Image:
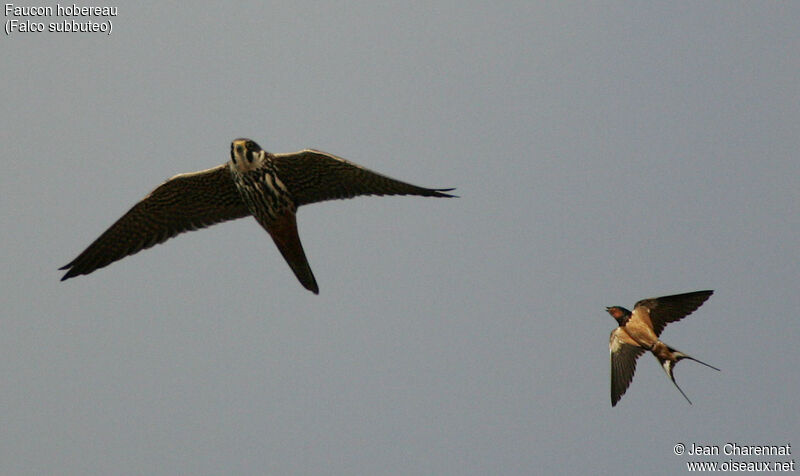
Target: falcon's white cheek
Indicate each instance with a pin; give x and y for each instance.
(260, 159)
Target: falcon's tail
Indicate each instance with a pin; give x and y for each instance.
(284, 234)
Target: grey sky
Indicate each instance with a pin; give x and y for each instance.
(603, 153)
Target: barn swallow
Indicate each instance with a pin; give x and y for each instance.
(254, 182)
(638, 331)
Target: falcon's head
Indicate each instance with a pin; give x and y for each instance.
(246, 155)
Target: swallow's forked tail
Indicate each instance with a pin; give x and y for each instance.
(669, 365)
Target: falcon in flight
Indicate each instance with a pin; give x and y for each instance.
(638, 331)
(254, 182)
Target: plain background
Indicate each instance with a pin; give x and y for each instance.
(603, 152)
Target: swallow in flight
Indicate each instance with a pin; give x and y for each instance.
(638, 332)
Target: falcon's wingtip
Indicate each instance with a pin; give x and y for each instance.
(440, 192)
(68, 274)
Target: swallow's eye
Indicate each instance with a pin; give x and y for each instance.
(239, 149)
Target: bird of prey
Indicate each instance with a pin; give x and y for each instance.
(638, 331)
(254, 182)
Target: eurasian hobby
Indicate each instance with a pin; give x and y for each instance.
(638, 331)
(254, 182)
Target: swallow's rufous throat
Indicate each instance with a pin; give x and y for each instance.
(254, 182)
(638, 331)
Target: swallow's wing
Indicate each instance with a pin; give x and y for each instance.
(183, 203)
(663, 310)
(314, 176)
(623, 363)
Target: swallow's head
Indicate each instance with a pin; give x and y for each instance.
(619, 313)
(246, 155)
